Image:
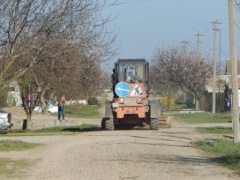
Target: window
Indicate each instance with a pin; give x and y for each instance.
(133, 69)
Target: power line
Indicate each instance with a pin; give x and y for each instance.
(136, 1)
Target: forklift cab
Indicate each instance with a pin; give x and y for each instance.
(131, 71)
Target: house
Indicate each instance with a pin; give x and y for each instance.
(224, 87)
(14, 95)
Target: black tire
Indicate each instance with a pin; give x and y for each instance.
(147, 119)
(109, 124)
(103, 123)
(154, 124)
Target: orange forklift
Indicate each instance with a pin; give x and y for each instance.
(131, 105)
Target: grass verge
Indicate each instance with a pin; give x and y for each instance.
(227, 152)
(52, 130)
(198, 118)
(14, 167)
(81, 128)
(6, 145)
(215, 130)
(10, 168)
(75, 111)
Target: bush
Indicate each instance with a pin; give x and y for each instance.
(92, 101)
(168, 102)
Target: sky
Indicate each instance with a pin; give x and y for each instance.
(142, 26)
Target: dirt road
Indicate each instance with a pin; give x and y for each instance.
(122, 154)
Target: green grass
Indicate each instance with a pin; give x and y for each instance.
(82, 111)
(204, 118)
(52, 130)
(215, 130)
(6, 145)
(198, 118)
(81, 128)
(227, 152)
(10, 168)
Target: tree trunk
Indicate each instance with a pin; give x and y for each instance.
(27, 123)
(197, 104)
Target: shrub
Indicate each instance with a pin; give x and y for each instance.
(92, 101)
(168, 102)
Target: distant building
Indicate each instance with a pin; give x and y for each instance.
(221, 81)
(14, 95)
(223, 87)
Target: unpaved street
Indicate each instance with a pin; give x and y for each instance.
(121, 154)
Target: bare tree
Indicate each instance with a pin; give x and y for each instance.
(186, 70)
(56, 34)
(23, 23)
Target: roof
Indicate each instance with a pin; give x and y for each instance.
(133, 60)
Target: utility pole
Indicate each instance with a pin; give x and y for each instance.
(184, 46)
(215, 28)
(199, 35)
(220, 51)
(232, 33)
(184, 49)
